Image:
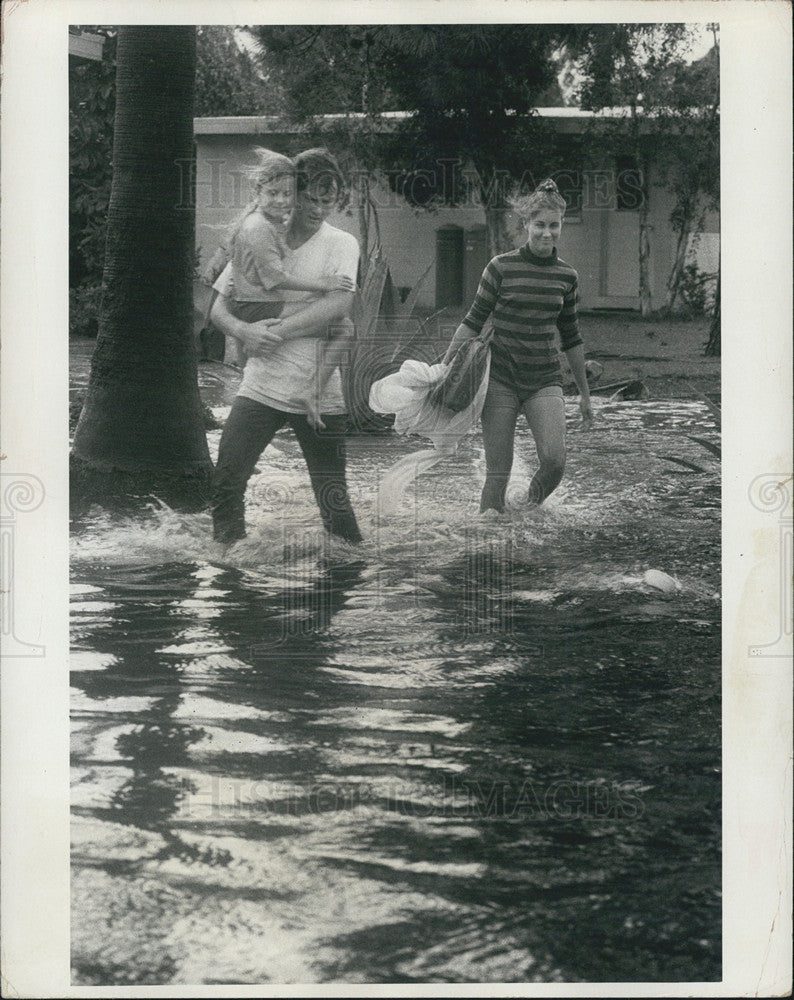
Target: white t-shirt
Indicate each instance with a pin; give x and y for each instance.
(286, 374)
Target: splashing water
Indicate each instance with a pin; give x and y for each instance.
(467, 750)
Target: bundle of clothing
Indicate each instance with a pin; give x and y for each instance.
(407, 394)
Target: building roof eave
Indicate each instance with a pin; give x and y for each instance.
(253, 124)
(569, 119)
(85, 45)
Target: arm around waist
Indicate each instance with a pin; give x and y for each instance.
(314, 319)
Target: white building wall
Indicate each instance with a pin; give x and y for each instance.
(602, 243)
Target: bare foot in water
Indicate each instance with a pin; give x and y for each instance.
(491, 514)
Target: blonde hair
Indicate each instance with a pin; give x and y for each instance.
(270, 167)
(546, 195)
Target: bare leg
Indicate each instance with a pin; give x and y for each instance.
(335, 352)
(499, 415)
(546, 418)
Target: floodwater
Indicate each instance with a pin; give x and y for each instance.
(463, 752)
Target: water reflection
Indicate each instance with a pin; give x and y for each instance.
(464, 753)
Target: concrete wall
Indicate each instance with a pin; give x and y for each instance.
(601, 242)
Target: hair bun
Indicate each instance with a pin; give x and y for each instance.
(545, 196)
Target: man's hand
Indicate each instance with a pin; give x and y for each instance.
(256, 338)
(262, 337)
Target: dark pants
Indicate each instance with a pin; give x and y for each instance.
(252, 312)
(249, 429)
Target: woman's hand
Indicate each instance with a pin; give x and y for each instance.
(586, 410)
(576, 360)
(462, 334)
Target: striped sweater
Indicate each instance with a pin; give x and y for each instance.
(531, 299)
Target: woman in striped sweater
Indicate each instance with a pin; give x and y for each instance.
(531, 296)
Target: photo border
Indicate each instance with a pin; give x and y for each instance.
(755, 41)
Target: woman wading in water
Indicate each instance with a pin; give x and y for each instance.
(532, 298)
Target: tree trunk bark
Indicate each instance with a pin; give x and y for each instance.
(141, 429)
(645, 285)
(714, 344)
(646, 306)
(674, 280)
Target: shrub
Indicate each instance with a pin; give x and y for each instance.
(84, 303)
(696, 289)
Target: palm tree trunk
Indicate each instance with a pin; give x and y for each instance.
(141, 430)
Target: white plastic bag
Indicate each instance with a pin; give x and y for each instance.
(405, 394)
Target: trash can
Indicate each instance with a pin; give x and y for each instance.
(475, 257)
(449, 266)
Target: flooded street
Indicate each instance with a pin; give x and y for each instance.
(465, 751)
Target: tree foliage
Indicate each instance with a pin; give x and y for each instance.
(672, 117)
(92, 102)
(472, 89)
(688, 156)
(469, 92)
(227, 83)
(335, 70)
(328, 69)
